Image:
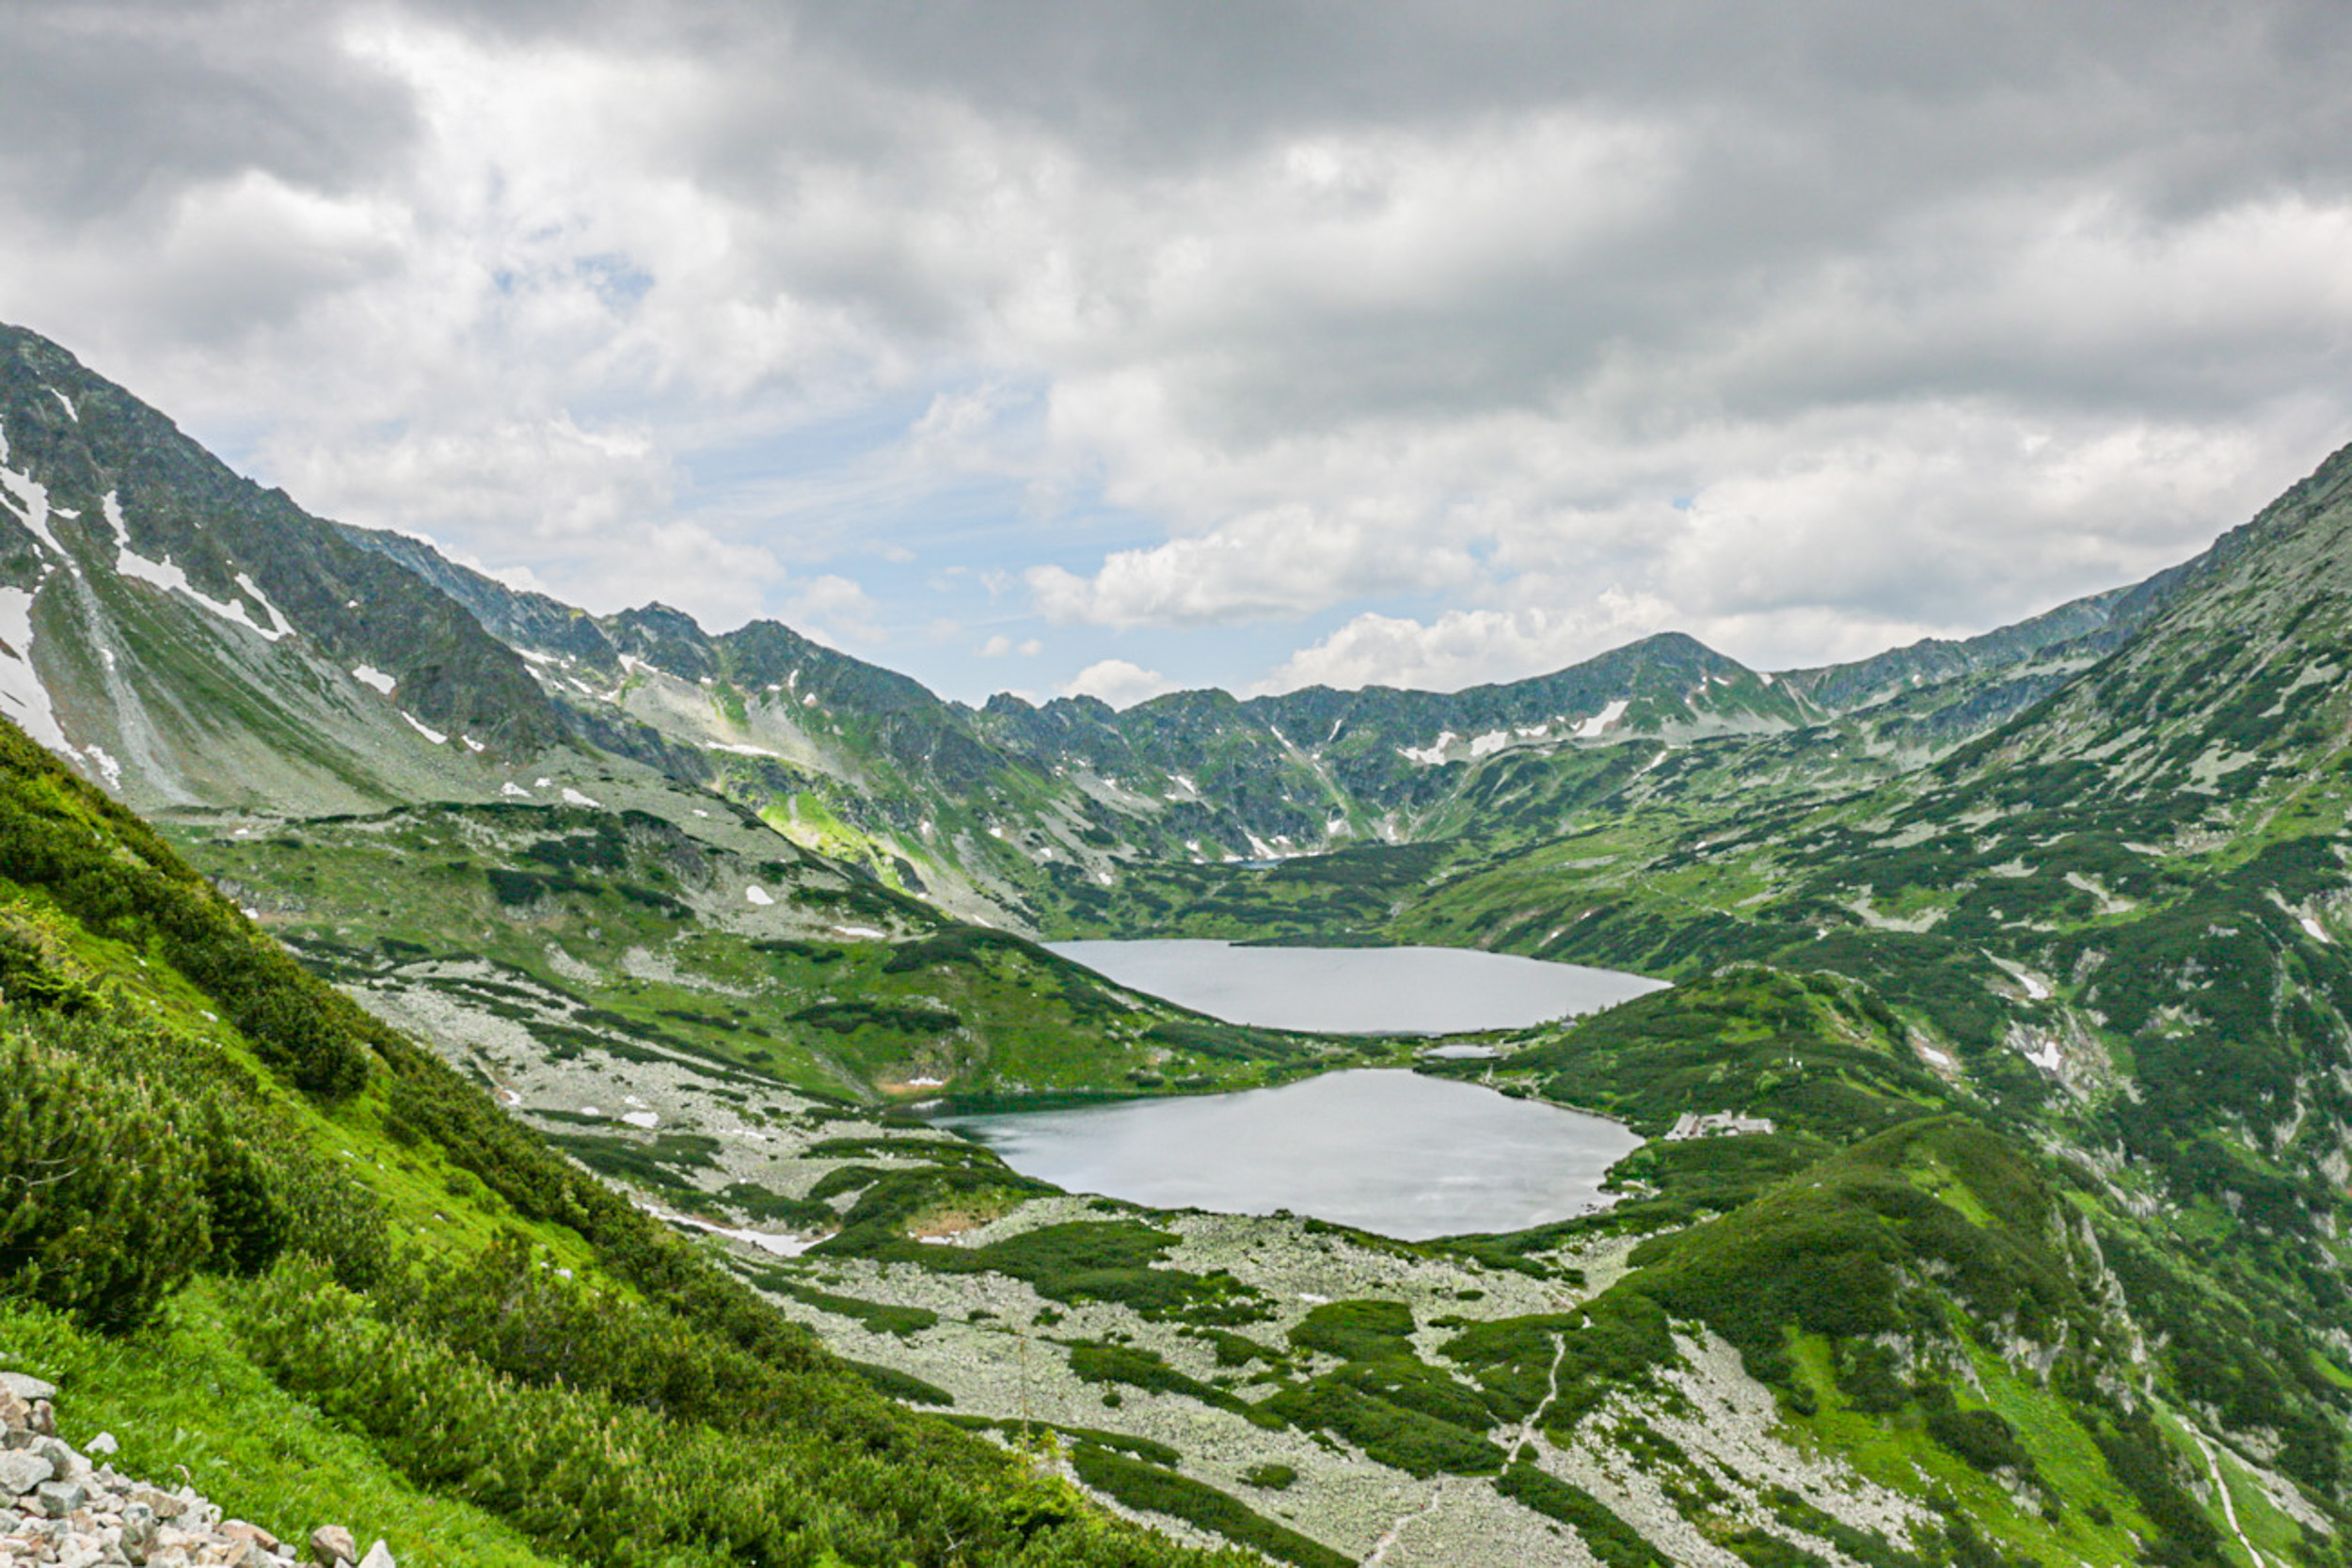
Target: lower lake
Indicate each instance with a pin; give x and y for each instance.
(1358, 990)
(1382, 1150)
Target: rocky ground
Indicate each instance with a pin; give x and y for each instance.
(59, 1505)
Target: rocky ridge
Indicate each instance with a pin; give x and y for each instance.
(59, 1505)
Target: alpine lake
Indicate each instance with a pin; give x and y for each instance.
(1382, 1150)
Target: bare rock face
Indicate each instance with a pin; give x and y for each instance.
(60, 1504)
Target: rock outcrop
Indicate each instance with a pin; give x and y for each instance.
(59, 1505)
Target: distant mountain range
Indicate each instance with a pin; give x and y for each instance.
(193, 641)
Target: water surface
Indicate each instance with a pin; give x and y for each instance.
(1358, 990)
(1385, 1150)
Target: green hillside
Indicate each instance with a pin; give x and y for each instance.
(399, 1306)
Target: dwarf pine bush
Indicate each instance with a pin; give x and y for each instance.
(94, 1177)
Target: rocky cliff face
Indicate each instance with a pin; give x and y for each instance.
(190, 639)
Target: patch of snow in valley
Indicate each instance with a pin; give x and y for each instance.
(1489, 744)
(513, 791)
(1433, 754)
(22, 694)
(2313, 929)
(2042, 1052)
(860, 933)
(425, 729)
(742, 750)
(473, 745)
(647, 1120)
(368, 674)
(574, 798)
(781, 1246)
(108, 766)
(758, 894)
(70, 412)
(1591, 728)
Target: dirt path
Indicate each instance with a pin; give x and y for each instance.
(1389, 1538)
(2221, 1490)
(1535, 1418)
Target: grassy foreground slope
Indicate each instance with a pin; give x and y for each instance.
(218, 1176)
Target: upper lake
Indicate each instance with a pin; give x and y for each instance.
(1358, 990)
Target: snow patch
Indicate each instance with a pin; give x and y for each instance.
(1489, 744)
(742, 751)
(425, 729)
(108, 766)
(28, 503)
(758, 894)
(2318, 932)
(1433, 754)
(171, 579)
(574, 798)
(927, 1083)
(860, 933)
(646, 1120)
(473, 745)
(1591, 728)
(280, 626)
(2045, 1055)
(368, 674)
(513, 791)
(70, 412)
(21, 695)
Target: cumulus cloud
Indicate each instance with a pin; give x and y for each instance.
(1120, 682)
(1486, 334)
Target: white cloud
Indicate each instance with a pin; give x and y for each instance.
(836, 607)
(1118, 682)
(999, 646)
(1444, 330)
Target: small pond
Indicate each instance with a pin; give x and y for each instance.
(1358, 990)
(1383, 1150)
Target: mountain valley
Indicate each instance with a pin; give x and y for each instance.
(1999, 1115)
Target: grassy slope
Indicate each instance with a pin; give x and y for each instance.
(101, 923)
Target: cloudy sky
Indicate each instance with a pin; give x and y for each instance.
(1113, 346)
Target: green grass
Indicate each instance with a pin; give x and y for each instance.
(180, 1397)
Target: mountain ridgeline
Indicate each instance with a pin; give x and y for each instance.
(503, 1023)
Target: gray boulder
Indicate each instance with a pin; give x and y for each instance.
(21, 1470)
(25, 1386)
(58, 1498)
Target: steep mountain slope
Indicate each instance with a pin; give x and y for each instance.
(190, 639)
